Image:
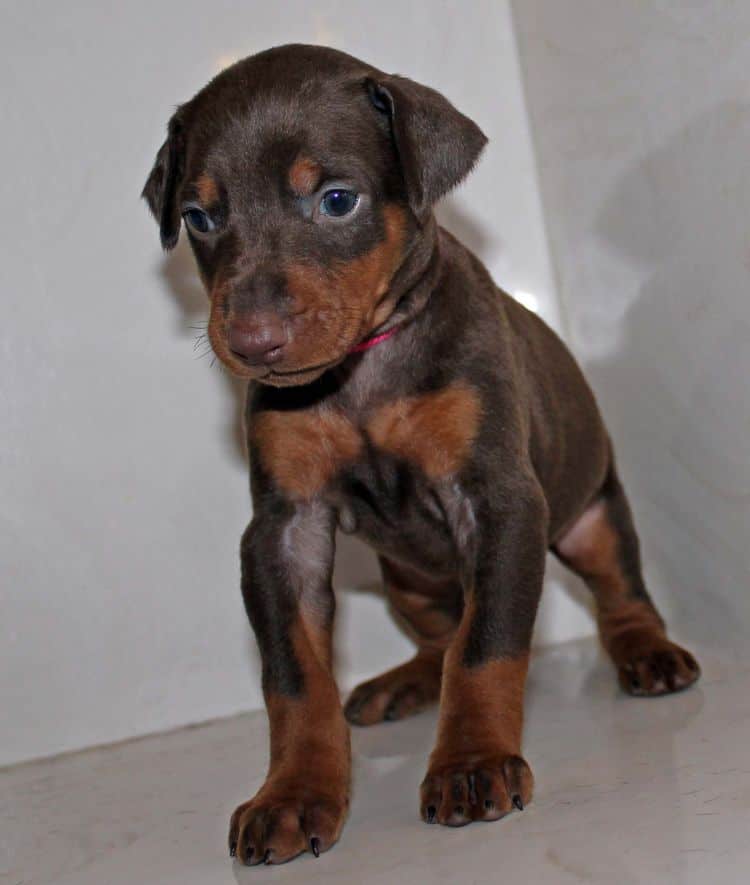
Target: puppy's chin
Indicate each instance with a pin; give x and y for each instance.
(293, 379)
(280, 378)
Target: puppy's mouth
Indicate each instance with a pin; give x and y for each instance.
(296, 377)
(278, 377)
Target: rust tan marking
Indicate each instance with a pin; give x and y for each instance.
(427, 609)
(426, 606)
(629, 627)
(398, 692)
(207, 190)
(344, 302)
(476, 771)
(303, 450)
(647, 661)
(389, 260)
(591, 545)
(315, 717)
(308, 781)
(480, 707)
(217, 320)
(430, 625)
(304, 175)
(434, 431)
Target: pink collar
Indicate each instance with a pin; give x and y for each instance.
(376, 339)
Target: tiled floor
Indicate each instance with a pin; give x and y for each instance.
(628, 791)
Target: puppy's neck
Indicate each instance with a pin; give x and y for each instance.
(415, 279)
(394, 364)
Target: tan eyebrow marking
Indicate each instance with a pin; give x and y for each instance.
(207, 190)
(304, 176)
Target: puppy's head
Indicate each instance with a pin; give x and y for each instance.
(304, 178)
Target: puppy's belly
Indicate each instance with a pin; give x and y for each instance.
(393, 509)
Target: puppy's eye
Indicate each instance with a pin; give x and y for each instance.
(338, 202)
(198, 221)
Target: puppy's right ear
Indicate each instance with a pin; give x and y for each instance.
(162, 185)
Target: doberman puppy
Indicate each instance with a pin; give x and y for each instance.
(395, 393)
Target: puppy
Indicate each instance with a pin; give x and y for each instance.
(397, 393)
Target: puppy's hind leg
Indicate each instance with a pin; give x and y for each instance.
(430, 610)
(602, 547)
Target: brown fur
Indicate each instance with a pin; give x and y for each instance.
(303, 450)
(217, 323)
(434, 431)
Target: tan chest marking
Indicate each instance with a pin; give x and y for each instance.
(434, 431)
(303, 451)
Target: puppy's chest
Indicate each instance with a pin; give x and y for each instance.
(379, 468)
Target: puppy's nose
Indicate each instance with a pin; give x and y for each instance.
(258, 341)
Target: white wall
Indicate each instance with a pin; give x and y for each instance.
(122, 474)
(641, 121)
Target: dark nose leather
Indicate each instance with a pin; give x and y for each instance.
(259, 340)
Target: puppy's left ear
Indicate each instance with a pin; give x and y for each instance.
(162, 185)
(437, 145)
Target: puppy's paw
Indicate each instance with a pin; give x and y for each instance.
(484, 788)
(400, 692)
(283, 820)
(657, 667)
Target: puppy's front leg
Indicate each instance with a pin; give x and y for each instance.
(287, 559)
(476, 771)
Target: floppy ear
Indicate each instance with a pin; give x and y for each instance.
(437, 145)
(160, 190)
